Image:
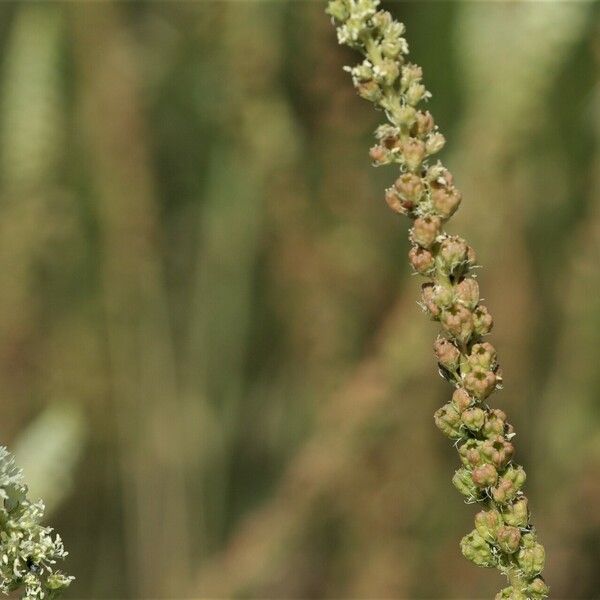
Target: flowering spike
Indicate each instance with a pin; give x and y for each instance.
(426, 194)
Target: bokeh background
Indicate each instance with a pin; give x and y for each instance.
(212, 364)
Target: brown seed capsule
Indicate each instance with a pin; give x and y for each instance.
(369, 90)
(425, 231)
(452, 254)
(487, 523)
(482, 321)
(485, 476)
(410, 187)
(458, 322)
(467, 292)
(447, 354)
(498, 451)
(509, 485)
(480, 383)
(470, 454)
(495, 423)
(379, 155)
(421, 260)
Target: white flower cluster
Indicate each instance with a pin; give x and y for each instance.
(28, 551)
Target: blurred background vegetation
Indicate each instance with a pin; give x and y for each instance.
(211, 359)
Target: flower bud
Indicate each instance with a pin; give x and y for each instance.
(445, 201)
(480, 383)
(509, 539)
(434, 143)
(482, 321)
(438, 176)
(532, 556)
(413, 153)
(467, 292)
(338, 9)
(447, 354)
(415, 93)
(495, 423)
(425, 231)
(405, 116)
(537, 589)
(424, 123)
(510, 593)
(428, 299)
(369, 90)
(380, 156)
(463, 482)
(395, 202)
(473, 418)
(392, 47)
(487, 523)
(447, 419)
(461, 399)
(410, 187)
(469, 453)
(497, 451)
(410, 74)
(483, 356)
(485, 476)
(452, 254)
(517, 514)
(477, 550)
(421, 260)
(509, 485)
(458, 322)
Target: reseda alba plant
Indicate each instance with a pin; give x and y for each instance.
(28, 552)
(503, 536)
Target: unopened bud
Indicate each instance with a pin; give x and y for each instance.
(467, 292)
(497, 451)
(452, 254)
(424, 123)
(447, 419)
(410, 187)
(473, 418)
(487, 523)
(532, 556)
(339, 10)
(483, 356)
(447, 354)
(434, 143)
(405, 116)
(461, 399)
(469, 453)
(482, 321)
(511, 593)
(508, 539)
(396, 203)
(463, 482)
(445, 201)
(477, 550)
(410, 73)
(458, 322)
(480, 383)
(421, 260)
(485, 476)
(413, 152)
(495, 423)
(369, 90)
(438, 176)
(517, 514)
(380, 155)
(425, 231)
(415, 93)
(428, 299)
(509, 485)
(537, 589)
